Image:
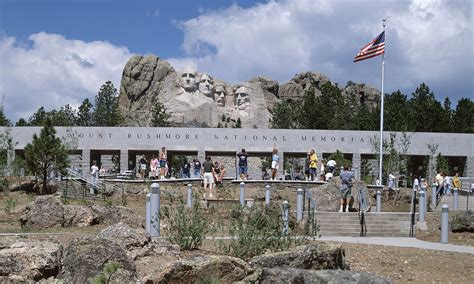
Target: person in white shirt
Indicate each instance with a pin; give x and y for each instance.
(416, 184)
(328, 176)
(331, 166)
(94, 177)
(447, 185)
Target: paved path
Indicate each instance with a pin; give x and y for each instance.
(401, 242)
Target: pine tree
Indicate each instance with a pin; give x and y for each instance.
(159, 116)
(106, 112)
(46, 153)
(85, 116)
(3, 119)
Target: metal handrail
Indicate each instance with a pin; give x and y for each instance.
(92, 182)
(362, 203)
(412, 213)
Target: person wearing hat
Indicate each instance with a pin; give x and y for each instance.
(208, 169)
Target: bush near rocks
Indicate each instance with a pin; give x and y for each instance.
(463, 222)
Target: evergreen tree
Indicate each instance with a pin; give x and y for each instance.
(308, 115)
(106, 112)
(425, 111)
(38, 118)
(66, 116)
(238, 124)
(442, 164)
(85, 116)
(396, 112)
(21, 122)
(3, 119)
(159, 116)
(46, 153)
(463, 118)
(285, 115)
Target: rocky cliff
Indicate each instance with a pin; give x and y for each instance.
(196, 99)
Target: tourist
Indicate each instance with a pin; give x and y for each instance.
(346, 180)
(243, 156)
(313, 164)
(208, 169)
(439, 184)
(457, 182)
(153, 167)
(275, 161)
(331, 165)
(391, 182)
(416, 184)
(102, 171)
(328, 176)
(265, 174)
(186, 169)
(219, 173)
(94, 177)
(197, 168)
(447, 184)
(162, 160)
(142, 166)
(306, 166)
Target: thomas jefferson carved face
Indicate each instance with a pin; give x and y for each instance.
(241, 98)
(206, 85)
(219, 96)
(188, 80)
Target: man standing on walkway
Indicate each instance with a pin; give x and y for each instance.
(243, 164)
(346, 179)
(94, 177)
(208, 168)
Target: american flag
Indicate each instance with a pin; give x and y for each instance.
(374, 48)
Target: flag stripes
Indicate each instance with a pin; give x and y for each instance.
(375, 48)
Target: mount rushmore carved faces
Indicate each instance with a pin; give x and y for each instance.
(219, 96)
(188, 80)
(241, 98)
(206, 85)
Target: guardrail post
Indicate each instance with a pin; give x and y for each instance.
(242, 194)
(455, 197)
(267, 195)
(433, 195)
(189, 204)
(285, 217)
(299, 205)
(444, 223)
(378, 207)
(148, 214)
(422, 207)
(155, 210)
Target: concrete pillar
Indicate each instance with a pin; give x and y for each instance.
(86, 161)
(422, 207)
(299, 205)
(356, 161)
(285, 216)
(281, 168)
(378, 201)
(455, 199)
(148, 213)
(124, 160)
(469, 167)
(242, 194)
(155, 210)
(267, 195)
(444, 223)
(190, 196)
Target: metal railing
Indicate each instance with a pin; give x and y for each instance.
(362, 210)
(310, 203)
(85, 182)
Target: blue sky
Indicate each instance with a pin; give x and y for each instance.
(55, 52)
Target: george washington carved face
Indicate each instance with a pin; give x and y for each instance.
(188, 80)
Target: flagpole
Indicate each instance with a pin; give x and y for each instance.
(381, 113)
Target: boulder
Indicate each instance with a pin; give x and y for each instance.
(79, 216)
(315, 256)
(44, 212)
(30, 261)
(125, 236)
(463, 222)
(295, 275)
(86, 258)
(201, 268)
(363, 94)
(117, 214)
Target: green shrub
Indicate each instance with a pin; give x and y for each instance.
(187, 227)
(10, 205)
(254, 231)
(109, 269)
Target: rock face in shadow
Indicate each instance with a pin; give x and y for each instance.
(30, 261)
(463, 222)
(44, 212)
(295, 275)
(85, 258)
(197, 99)
(316, 257)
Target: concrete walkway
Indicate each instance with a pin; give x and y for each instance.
(401, 242)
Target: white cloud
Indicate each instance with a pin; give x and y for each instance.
(54, 71)
(427, 41)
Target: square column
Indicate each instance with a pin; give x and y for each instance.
(86, 161)
(469, 167)
(123, 160)
(356, 163)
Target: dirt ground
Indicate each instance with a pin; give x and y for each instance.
(401, 265)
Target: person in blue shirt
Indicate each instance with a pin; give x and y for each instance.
(275, 161)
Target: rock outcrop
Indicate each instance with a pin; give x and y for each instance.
(196, 99)
(30, 261)
(295, 275)
(48, 211)
(463, 222)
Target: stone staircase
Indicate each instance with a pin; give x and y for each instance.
(463, 203)
(385, 224)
